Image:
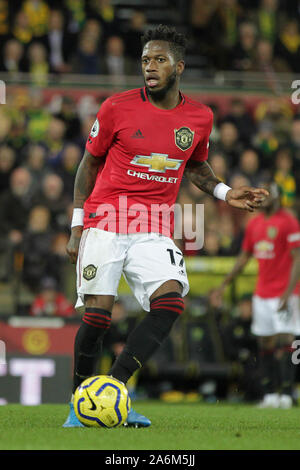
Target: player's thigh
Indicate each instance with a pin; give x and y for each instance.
(105, 302)
(262, 317)
(287, 321)
(166, 287)
(267, 343)
(100, 263)
(154, 264)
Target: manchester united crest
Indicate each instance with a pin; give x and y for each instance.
(89, 272)
(184, 138)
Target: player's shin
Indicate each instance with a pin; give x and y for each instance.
(146, 338)
(286, 369)
(269, 371)
(88, 343)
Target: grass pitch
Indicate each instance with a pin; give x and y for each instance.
(174, 427)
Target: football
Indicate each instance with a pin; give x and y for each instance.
(102, 401)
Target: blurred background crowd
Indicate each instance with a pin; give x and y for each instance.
(102, 36)
(42, 139)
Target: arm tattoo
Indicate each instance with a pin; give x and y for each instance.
(201, 174)
(85, 178)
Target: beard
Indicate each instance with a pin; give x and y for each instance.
(161, 94)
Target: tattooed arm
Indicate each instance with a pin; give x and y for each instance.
(84, 184)
(201, 174)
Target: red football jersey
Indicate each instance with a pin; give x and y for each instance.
(270, 240)
(144, 151)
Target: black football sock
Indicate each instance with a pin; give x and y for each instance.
(88, 343)
(286, 370)
(146, 338)
(269, 371)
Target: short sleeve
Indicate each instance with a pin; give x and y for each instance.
(102, 133)
(247, 244)
(293, 235)
(200, 153)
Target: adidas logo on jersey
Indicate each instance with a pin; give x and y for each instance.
(137, 135)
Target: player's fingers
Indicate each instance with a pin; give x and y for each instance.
(261, 191)
(72, 255)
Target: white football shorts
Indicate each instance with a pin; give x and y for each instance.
(146, 261)
(267, 321)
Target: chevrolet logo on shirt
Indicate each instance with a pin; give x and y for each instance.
(157, 162)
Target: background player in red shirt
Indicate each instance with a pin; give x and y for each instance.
(138, 149)
(273, 238)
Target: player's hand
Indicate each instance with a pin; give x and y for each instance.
(216, 297)
(73, 243)
(246, 198)
(283, 303)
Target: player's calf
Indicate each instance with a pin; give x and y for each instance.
(148, 335)
(88, 342)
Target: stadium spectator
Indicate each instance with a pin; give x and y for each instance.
(16, 204)
(104, 11)
(294, 144)
(243, 54)
(35, 245)
(267, 17)
(266, 63)
(68, 114)
(136, 27)
(58, 43)
(219, 165)
(240, 116)
(37, 116)
(53, 198)
(21, 29)
(205, 27)
(115, 62)
(38, 65)
(51, 302)
(249, 167)
(5, 21)
(12, 59)
(278, 111)
(87, 58)
(288, 44)
(266, 143)
(75, 13)
(38, 13)
(7, 164)
(55, 140)
(229, 143)
(35, 162)
(212, 244)
(70, 159)
(231, 15)
(283, 175)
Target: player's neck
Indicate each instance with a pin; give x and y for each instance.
(268, 212)
(169, 101)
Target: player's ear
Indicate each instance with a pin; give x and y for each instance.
(180, 67)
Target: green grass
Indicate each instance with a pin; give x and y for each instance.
(174, 426)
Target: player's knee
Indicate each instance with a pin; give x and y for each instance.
(165, 310)
(97, 318)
